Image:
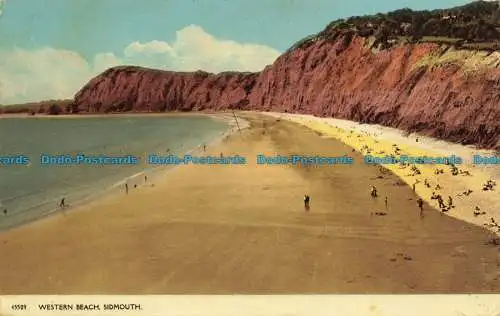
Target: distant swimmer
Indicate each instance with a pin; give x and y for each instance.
(62, 204)
(306, 202)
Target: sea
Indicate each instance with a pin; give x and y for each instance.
(32, 191)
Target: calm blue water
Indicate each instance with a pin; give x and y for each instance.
(28, 192)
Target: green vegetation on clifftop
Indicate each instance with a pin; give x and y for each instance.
(472, 26)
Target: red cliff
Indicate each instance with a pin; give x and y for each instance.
(414, 87)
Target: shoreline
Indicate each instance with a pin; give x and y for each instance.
(136, 180)
(120, 114)
(378, 140)
(367, 132)
(345, 123)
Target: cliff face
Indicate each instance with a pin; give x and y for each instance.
(141, 89)
(424, 88)
(411, 87)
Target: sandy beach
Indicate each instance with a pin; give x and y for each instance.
(243, 229)
(381, 140)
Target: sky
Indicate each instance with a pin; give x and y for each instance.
(51, 48)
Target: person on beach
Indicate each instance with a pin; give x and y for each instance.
(5, 212)
(477, 211)
(386, 200)
(420, 204)
(145, 179)
(204, 147)
(373, 191)
(306, 202)
(450, 202)
(62, 204)
(426, 183)
(468, 192)
(440, 201)
(126, 188)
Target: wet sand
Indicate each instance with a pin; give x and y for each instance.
(243, 229)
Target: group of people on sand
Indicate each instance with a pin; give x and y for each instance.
(374, 194)
(415, 171)
(135, 185)
(62, 204)
(444, 207)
